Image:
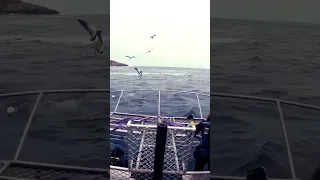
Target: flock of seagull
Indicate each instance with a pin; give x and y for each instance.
(97, 43)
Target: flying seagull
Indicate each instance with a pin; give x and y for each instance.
(149, 51)
(139, 72)
(152, 36)
(95, 35)
(130, 57)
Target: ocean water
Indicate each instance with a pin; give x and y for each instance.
(165, 79)
(172, 102)
(49, 52)
(268, 59)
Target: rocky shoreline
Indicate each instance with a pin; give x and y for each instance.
(23, 8)
(115, 63)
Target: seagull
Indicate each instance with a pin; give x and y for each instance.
(149, 51)
(130, 57)
(152, 36)
(139, 72)
(95, 34)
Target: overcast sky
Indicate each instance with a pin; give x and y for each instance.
(182, 38)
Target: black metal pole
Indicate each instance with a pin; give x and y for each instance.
(161, 139)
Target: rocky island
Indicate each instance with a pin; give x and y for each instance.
(25, 8)
(115, 63)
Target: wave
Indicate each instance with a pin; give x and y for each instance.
(74, 40)
(253, 44)
(224, 40)
(274, 92)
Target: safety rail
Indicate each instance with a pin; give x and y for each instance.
(284, 130)
(17, 169)
(6, 165)
(116, 115)
(159, 98)
(182, 155)
(124, 174)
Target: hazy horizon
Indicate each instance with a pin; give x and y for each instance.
(272, 10)
(266, 20)
(161, 67)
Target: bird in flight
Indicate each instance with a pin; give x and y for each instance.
(95, 35)
(130, 57)
(139, 72)
(149, 51)
(152, 36)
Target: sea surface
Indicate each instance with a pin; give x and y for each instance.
(50, 52)
(140, 95)
(267, 59)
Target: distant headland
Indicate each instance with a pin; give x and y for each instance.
(24, 8)
(115, 63)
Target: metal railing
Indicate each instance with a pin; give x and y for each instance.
(278, 103)
(176, 119)
(6, 165)
(159, 98)
(17, 169)
(124, 173)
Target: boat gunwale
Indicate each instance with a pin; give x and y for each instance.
(214, 94)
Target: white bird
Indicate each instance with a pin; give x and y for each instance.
(149, 51)
(152, 36)
(139, 72)
(130, 57)
(95, 34)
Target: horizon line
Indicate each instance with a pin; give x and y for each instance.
(216, 17)
(164, 67)
(265, 20)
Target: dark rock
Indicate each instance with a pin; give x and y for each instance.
(115, 63)
(20, 7)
